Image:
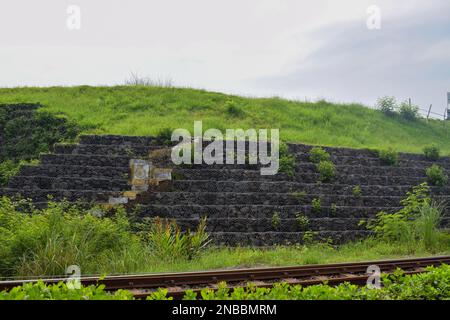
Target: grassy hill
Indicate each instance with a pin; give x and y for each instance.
(142, 110)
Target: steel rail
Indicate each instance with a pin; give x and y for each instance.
(143, 284)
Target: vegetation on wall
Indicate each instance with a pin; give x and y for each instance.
(26, 132)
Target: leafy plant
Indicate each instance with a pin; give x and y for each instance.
(47, 241)
(334, 209)
(357, 191)
(327, 170)
(417, 222)
(276, 220)
(287, 160)
(299, 195)
(302, 221)
(168, 242)
(8, 168)
(436, 175)
(232, 109)
(388, 156)
(387, 105)
(316, 205)
(318, 154)
(61, 291)
(164, 136)
(432, 152)
(408, 111)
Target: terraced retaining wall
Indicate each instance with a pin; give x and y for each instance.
(242, 206)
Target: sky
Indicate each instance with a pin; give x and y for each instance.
(342, 51)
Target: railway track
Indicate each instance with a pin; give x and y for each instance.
(142, 285)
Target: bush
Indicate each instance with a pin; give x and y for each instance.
(302, 221)
(432, 152)
(47, 241)
(316, 205)
(387, 105)
(388, 157)
(318, 154)
(276, 220)
(164, 136)
(357, 191)
(417, 223)
(167, 242)
(436, 175)
(233, 110)
(327, 170)
(61, 291)
(26, 135)
(427, 224)
(8, 169)
(409, 112)
(287, 160)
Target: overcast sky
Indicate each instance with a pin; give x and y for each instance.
(290, 48)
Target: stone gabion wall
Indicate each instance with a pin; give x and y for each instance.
(242, 207)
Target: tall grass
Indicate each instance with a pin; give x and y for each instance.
(427, 226)
(145, 110)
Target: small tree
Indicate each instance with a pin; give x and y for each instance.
(409, 111)
(386, 105)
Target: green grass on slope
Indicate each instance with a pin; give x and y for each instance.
(141, 110)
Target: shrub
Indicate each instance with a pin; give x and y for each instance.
(287, 165)
(436, 175)
(318, 154)
(167, 242)
(233, 110)
(427, 226)
(334, 209)
(416, 223)
(316, 205)
(8, 168)
(299, 195)
(164, 136)
(287, 160)
(302, 221)
(432, 152)
(25, 135)
(388, 157)
(387, 105)
(327, 170)
(61, 291)
(357, 191)
(408, 111)
(47, 241)
(276, 220)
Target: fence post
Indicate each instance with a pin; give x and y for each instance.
(429, 110)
